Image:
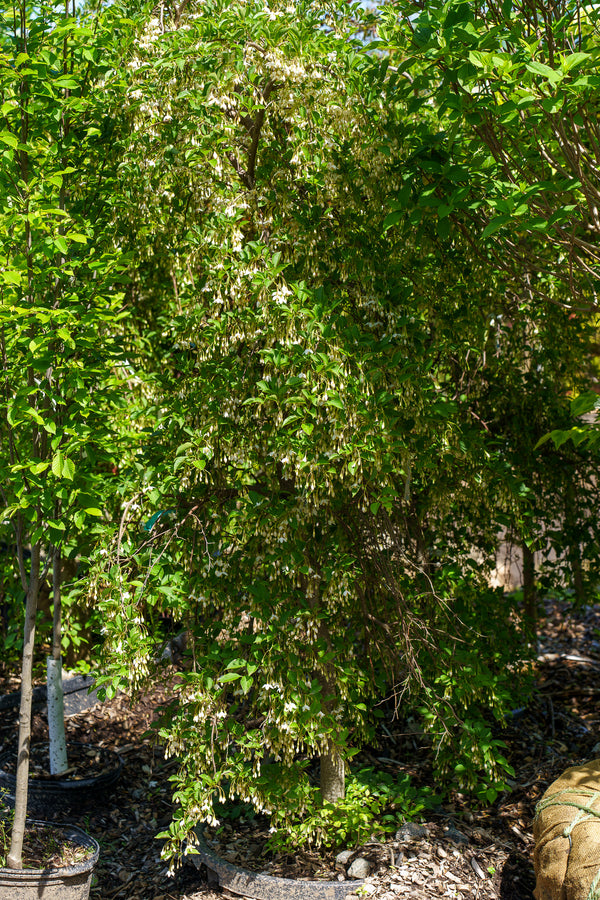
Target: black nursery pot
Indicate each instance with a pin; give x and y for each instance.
(49, 795)
(67, 883)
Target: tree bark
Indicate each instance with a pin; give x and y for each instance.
(574, 548)
(15, 856)
(529, 591)
(333, 775)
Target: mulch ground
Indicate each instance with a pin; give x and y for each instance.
(462, 852)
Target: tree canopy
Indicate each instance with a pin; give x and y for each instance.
(360, 272)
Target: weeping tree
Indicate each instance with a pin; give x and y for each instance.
(58, 299)
(304, 380)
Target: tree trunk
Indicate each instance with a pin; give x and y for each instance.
(54, 685)
(15, 856)
(333, 775)
(529, 591)
(574, 547)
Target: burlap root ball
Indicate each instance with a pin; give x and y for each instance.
(566, 830)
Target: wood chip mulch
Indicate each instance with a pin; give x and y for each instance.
(462, 853)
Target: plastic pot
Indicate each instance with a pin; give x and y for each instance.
(47, 795)
(264, 887)
(67, 883)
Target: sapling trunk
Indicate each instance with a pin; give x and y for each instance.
(529, 589)
(54, 685)
(15, 856)
(574, 549)
(332, 775)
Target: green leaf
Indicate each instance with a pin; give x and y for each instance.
(495, 225)
(57, 525)
(68, 468)
(393, 218)
(65, 82)
(9, 139)
(538, 68)
(543, 440)
(307, 428)
(443, 228)
(229, 676)
(57, 464)
(34, 414)
(11, 276)
(40, 467)
(183, 447)
(585, 403)
(246, 683)
(573, 59)
(93, 511)
(335, 400)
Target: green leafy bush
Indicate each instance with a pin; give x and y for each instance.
(480, 677)
(375, 803)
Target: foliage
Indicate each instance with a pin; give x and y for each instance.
(6, 817)
(516, 148)
(59, 299)
(506, 159)
(375, 803)
(336, 358)
(58, 294)
(307, 385)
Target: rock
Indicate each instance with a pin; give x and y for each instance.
(343, 857)
(410, 831)
(366, 890)
(441, 853)
(455, 836)
(360, 868)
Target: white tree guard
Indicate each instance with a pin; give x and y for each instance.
(56, 717)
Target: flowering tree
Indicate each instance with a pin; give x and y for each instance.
(304, 380)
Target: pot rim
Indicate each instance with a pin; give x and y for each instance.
(247, 883)
(67, 784)
(71, 832)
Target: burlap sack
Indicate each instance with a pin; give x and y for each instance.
(566, 830)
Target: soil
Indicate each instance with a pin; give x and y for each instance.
(462, 852)
(85, 761)
(43, 847)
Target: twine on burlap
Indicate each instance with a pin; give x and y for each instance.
(585, 813)
(594, 893)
